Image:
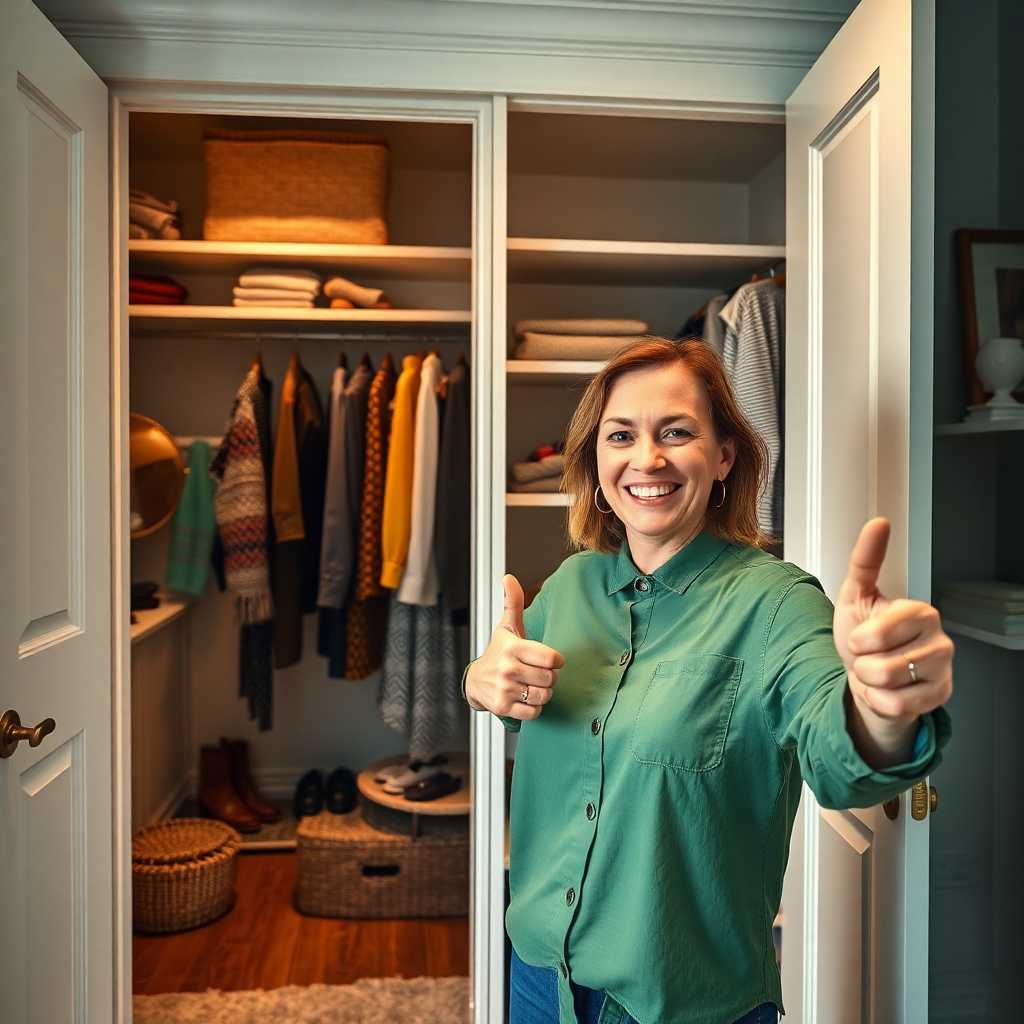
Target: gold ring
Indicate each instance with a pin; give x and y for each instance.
(525, 697)
(913, 671)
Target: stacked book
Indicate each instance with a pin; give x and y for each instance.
(990, 605)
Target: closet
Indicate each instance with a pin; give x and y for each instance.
(186, 363)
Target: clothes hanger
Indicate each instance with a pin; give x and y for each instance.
(365, 361)
(342, 361)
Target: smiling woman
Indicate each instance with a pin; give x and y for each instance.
(673, 685)
(661, 414)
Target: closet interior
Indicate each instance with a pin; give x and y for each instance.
(372, 880)
(635, 222)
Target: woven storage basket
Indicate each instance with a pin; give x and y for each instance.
(329, 187)
(183, 874)
(348, 869)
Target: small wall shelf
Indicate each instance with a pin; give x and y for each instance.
(1010, 643)
(979, 428)
(168, 318)
(152, 620)
(550, 371)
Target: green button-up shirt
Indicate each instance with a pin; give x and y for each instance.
(652, 801)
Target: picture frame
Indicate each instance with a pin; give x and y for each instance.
(990, 265)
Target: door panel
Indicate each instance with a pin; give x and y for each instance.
(858, 310)
(56, 957)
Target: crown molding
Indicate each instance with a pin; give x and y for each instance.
(763, 33)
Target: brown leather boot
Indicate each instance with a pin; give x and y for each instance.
(217, 795)
(241, 777)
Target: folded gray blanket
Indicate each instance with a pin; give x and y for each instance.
(271, 293)
(607, 325)
(546, 485)
(572, 346)
(287, 278)
(550, 465)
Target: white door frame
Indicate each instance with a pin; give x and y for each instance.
(487, 745)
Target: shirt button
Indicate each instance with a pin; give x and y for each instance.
(565, 970)
(624, 658)
(642, 585)
(595, 726)
(570, 897)
(591, 811)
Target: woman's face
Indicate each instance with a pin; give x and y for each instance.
(657, 455)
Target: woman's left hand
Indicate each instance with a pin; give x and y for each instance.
(899, 660)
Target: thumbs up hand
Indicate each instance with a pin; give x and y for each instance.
(899, 661)
(514, 676)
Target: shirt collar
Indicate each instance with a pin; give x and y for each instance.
(678, 572)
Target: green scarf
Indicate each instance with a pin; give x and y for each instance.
(188, 563)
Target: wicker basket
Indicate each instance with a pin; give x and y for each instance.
(328, 187)
(183, 874)
(348, 869)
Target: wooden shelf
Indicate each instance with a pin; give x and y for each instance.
(979, 428)
(1010, 643)
(535, 500)
(550, 371)
(680, 264)
(167, 318)
(458, 802)
(152, 620)
(397, 262)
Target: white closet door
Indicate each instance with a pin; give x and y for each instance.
(56, 891)
(858, 429)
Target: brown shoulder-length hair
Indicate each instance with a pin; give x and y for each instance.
(736, 520)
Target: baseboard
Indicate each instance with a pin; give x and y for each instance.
(170, 803)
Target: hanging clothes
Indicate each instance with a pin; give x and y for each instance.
(193, 527)
(397, 520)
(419, 581)
(452, 519)
(755, 330)
(299, 478)
(242, 510)
(367, 613)
(714, 325)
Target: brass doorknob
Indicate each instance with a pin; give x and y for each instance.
(924, 799)
(12, 732)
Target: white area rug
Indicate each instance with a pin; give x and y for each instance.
(368, 1001)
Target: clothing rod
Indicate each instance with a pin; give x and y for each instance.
(390, 337)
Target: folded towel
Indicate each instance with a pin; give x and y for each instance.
(1005, 596)
(150, 218)
(551, 465)
(281, 277)
(171, 232)
(136, 195)
(546, 485)
(272, 303)
(148, 299)
(982, 617)
(571, 346)
(168, 232)
(591, 326)
(270, 293)
(342, 304)
(342, 288)
(153, 284)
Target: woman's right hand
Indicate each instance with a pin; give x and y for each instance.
(511, 664)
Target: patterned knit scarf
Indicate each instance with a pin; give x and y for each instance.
(241, 507)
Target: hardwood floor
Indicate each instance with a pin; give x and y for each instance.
(265, 943)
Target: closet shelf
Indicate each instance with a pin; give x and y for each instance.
(169, 318)
(399, 262)
(979, 428)
(549, 371)
(152, 620)
(535, 500)
(1010, 643)
(577, 261)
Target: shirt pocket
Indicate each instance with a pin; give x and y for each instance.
(684, 716)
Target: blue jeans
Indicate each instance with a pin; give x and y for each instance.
(533, 999)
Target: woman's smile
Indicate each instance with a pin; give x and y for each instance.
(651, 495)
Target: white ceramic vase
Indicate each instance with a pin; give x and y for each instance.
(1000, 366)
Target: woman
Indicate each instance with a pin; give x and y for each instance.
(678, 684)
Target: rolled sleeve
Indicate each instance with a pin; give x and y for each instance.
(803, 692)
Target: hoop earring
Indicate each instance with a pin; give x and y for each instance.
(603, 511)
(722, 502)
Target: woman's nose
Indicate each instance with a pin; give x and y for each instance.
(648, 456)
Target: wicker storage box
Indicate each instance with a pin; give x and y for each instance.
(348, 869)
(328, 187)
(183, 874)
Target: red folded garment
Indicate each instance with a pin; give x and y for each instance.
(161, 286)
(145, 299)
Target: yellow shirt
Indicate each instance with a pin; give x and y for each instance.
(397, 523)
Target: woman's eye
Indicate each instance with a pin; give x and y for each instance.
(677, 433)
(618, 436)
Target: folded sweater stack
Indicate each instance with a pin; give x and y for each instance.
(991, 605)
(575, 339)
(155, 290)
(149, 217)
(541, 473)
(274, 286)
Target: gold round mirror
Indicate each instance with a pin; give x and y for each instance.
(157, 475)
